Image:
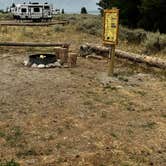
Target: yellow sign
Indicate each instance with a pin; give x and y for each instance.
(111, 26)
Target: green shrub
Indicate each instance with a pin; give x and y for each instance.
(59, 28)
(134, 36)
(152, 42)
(9, 163)
(155, 42)
(162, 42)
(5, 16)
(91, 26)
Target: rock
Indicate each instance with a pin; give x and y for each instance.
(50, 65)
(41, 66)
(26, 63)
(57, 64)
(94, 56)
(31, 161)
(34, 65)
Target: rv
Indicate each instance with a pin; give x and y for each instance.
(32, 11)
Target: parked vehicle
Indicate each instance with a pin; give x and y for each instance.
(32, 11)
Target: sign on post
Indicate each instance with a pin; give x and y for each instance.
(111, 26)
(110, 35)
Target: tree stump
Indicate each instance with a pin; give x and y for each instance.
(72, 59)
(62, 54)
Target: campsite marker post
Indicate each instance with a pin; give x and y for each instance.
(110, 35)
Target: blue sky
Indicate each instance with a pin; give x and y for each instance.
(68, 5)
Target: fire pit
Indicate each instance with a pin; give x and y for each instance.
(42, 61)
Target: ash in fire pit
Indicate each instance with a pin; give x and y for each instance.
(42, 61)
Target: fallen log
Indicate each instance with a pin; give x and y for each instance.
(103, 51)
(93, 56)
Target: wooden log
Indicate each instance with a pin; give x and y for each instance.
(31, 44)
(72, 59)
(155, 62)
(94, 56)
(62, 54)
(12, 23)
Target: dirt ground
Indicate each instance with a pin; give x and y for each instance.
(81, 117)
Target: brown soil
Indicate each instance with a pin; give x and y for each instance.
(79, 116)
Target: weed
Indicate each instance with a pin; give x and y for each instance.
(103, 114)
(88, 103)
(60, 130)
(30, 152)
(9, 163)
(110, 87)
(142, 93)
(59, 28)
(2, 134)
(149, 125)
(58, 146)
(114, 135)
(163, 115)
(14, 136)
(123, 79)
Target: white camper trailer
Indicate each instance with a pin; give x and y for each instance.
(32, 11)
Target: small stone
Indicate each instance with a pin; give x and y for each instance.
(59, 60)
(26, 62)
(31, 161)
(41, 66)
(57, 64)
(34, 65)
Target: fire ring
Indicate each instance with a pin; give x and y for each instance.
(42, 61)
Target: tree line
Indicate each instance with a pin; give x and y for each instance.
(147, 14)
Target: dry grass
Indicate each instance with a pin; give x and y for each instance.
(79, 116)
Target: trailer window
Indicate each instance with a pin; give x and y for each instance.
(47, 7)
(36, 9)
(23, 10)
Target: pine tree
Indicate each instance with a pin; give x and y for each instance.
(63, 11)
(129, 11)
(83, 10)
(153, 15)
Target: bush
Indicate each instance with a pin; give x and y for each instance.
(6, 16)
(91, 26)
(135, 36)
(155, 42)
(83, 10)
(9, 163)
(59, 28)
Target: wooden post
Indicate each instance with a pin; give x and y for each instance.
(110, 34)
(111, 60)
(72, 59)
(62, 54)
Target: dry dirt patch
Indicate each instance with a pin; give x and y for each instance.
(79, 116)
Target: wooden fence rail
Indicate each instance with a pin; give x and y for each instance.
(32, 44)
(12, 23)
